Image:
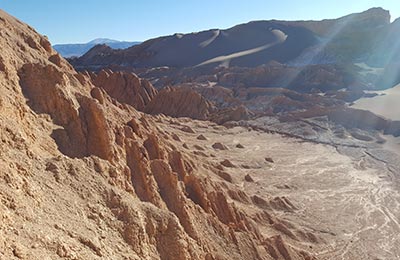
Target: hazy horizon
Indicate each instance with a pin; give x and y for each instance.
(80, 22)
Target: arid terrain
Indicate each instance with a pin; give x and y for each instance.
(384, 104)
(348, 197)
(103, 165)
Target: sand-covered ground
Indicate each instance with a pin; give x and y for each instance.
(386, 104)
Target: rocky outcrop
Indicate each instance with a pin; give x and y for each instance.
(125, 87)
(219, 146)
(138, 162)
(180, 102)
(84, 125)
(202, 137)
(42, 86)
(95, 128)
(227, 163)
(153, 148)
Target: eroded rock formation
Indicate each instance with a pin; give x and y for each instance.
(125, 87)
(85, 175)
(180, 102)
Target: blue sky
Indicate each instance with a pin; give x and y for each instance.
(67, 21)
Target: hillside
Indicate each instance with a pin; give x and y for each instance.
(255, 43)
(342, 44)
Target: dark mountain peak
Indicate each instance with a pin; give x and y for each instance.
(99, 48)
(250, 44)
(376, 16)
(78, 49)
(377, 11)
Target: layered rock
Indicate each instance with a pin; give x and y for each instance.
(85, 130)
(125, 87)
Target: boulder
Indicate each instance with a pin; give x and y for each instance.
(227, 163)
(219, 146)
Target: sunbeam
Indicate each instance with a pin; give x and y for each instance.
(312, 55)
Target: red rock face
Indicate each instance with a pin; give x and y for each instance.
(85, 127)
(42, 86)
(95, 128)
(125, 87)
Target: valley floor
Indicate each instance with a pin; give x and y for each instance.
(348, 196)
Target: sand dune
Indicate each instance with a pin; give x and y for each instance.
(225, 59)
(387, 104)
(207, 42)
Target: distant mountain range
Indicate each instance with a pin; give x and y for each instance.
(78, 49)
(361, 37)
(368, 39)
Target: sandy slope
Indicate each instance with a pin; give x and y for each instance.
(226, 59)
(385, 104)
